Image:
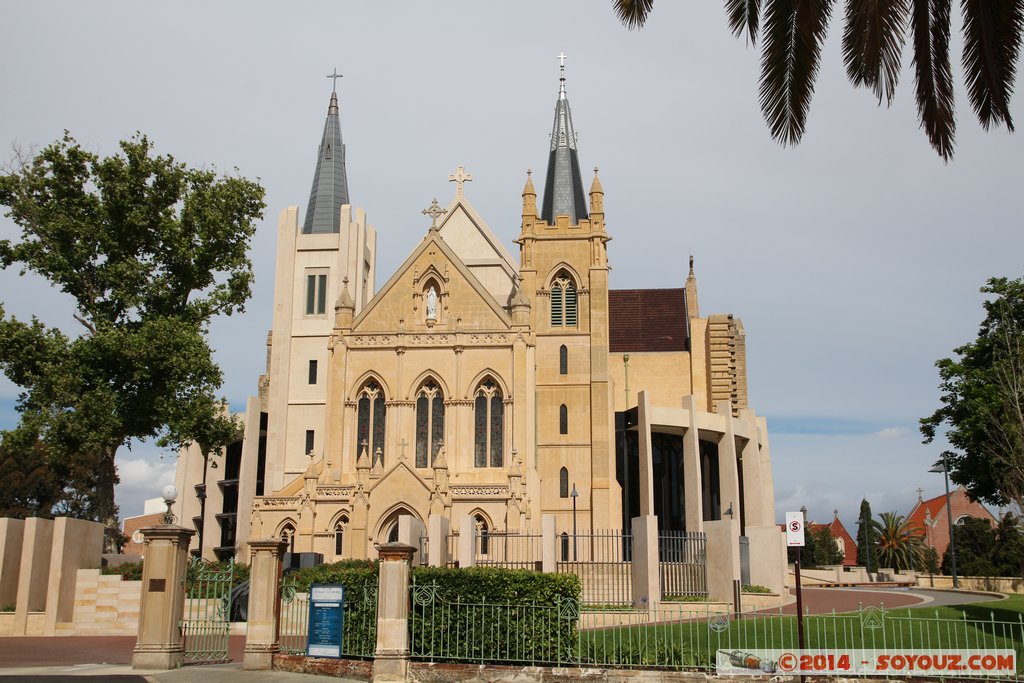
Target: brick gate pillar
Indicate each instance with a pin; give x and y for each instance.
(261, 639)
(391, 657)
(158, 645)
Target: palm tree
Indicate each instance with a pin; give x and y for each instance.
(899, 545)
(873, 37)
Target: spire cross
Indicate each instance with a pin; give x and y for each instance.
(460, 177)
(434, 211)
(561, 59)
(561, 80)
(334, 82)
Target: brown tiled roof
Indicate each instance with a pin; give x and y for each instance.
(647, 320)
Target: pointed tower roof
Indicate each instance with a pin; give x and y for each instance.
(330, 183)
(563, 187)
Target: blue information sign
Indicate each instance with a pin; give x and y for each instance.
(326, 619)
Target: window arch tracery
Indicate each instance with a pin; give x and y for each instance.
(429, 422)
(371, 418)
(489, 425)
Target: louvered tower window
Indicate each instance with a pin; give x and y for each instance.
(563, 301)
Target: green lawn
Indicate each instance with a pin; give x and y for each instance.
(693, 643)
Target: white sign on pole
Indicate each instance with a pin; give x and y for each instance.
(794, 529)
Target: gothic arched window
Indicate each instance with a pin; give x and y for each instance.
(489, 425)
(371, 416)
(563, 419)
(429, 423)
(565, 547)
(288, 536)
(563, 360)
(339, 535)
(563, 483)
(563, 300)
(482, 531)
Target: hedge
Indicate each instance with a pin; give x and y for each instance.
(360, 580)
(494, 615)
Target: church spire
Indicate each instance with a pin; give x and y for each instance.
(563, 187)
(330, 183)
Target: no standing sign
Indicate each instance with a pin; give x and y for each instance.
(794, 529)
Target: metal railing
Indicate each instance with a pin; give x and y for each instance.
(359, 628)
(676, 636)
(510, 549)
(682, 567)
(602, 558)
(205, 624)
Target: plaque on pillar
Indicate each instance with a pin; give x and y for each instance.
(326, 619)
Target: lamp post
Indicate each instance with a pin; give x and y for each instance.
(170, 494)
(944, 468)
(574, 495)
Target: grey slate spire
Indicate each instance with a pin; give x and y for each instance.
(563, 187)
(330, 184)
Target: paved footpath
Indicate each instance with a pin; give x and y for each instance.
(824, 600)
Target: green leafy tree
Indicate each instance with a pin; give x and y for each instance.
(928, 561)
(808, 552)
(899, 544)
(1008, 553)
(874, 33)
(149, 250)
(28, 487)
(983, 401)
(827, 550)
(974, 539)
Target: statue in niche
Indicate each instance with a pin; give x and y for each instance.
(431, 303)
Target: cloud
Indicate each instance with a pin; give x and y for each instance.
(891, 433)
(142, 475)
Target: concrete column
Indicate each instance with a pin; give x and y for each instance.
(691, 470)
(411, 532)
(158, 645)
(728, 472)
(391, 657)
(723, 558)
(549, 544)
(768, 566)
(467, 542)
(261, 639)
(34, 571)
(437, 529)
(645, 566)
(12, 532)
(77, 544)
(646, 454)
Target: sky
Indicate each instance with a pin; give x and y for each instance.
(854, 259)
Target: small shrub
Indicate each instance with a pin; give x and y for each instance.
(754, 588)
(130, 571)
(685, 598)
(7, 608)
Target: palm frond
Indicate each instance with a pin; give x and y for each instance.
(744, 15)
(930, 25)
(793, 32)
(992, 35)
(633, 13)
(873, 42)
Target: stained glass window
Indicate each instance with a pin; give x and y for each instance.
(429, 423)
(371, 418)
(489, 425)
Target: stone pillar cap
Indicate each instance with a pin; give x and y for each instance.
(395, 551)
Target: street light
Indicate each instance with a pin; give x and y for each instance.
(944, 468)
(575, 494)
(170, 494)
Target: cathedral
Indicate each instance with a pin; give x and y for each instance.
(474, 384)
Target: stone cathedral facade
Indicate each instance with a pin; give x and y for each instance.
(478, 384)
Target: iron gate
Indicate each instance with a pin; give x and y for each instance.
(206, 620)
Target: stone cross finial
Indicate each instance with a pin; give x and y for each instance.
(460, 177)
(334, 82)
(434, 211)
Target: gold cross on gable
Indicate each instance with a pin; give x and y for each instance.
(460, 177)
(434, 211)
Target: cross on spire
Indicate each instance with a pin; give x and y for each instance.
(561, 80)
(334, 80)
(434, 211)
(460, 177)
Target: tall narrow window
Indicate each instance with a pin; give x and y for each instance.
(563, 301)
(563, 360)
(288, 536)
(482, 534)
(565, 547)
(563, 419)
(316, 293)
(371, 414)
(312, 372)
(339, 535)
(563, 483)
(309, 441)
(429, 423)
(489, 425)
